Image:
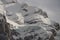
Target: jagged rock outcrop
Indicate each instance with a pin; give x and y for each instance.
(4, 28)
(34, 16)
(37, 25)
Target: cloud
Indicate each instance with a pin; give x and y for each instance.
(51, 6)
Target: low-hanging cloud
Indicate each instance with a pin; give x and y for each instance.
(52, 7)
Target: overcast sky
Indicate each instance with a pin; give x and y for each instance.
(52, 7)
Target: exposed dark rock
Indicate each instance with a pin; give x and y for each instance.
(52, 38)
(4, 28)
(57, 26)
(31, 22)
(54, 32)
(36, 34)
(25, 10)
(45, 15)
(13, 32)
(39, 38)
(20, 38)
(28, 37)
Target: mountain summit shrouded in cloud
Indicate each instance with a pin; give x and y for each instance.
(26, 22)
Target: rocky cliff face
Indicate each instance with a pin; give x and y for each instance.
(4, 28)
(25, 22)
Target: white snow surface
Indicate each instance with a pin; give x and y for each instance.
(24, 19)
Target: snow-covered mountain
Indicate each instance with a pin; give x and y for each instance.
(28, 22)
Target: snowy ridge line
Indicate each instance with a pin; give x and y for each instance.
(13, 23)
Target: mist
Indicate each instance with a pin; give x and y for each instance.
(52, 7)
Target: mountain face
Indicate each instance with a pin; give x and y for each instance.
(4, 28)
(25, 22)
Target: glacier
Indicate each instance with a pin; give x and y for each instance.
(28, 22)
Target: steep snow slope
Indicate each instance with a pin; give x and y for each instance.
(29, 22)
(27, 12)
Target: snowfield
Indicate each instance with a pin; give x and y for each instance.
(29, 22)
